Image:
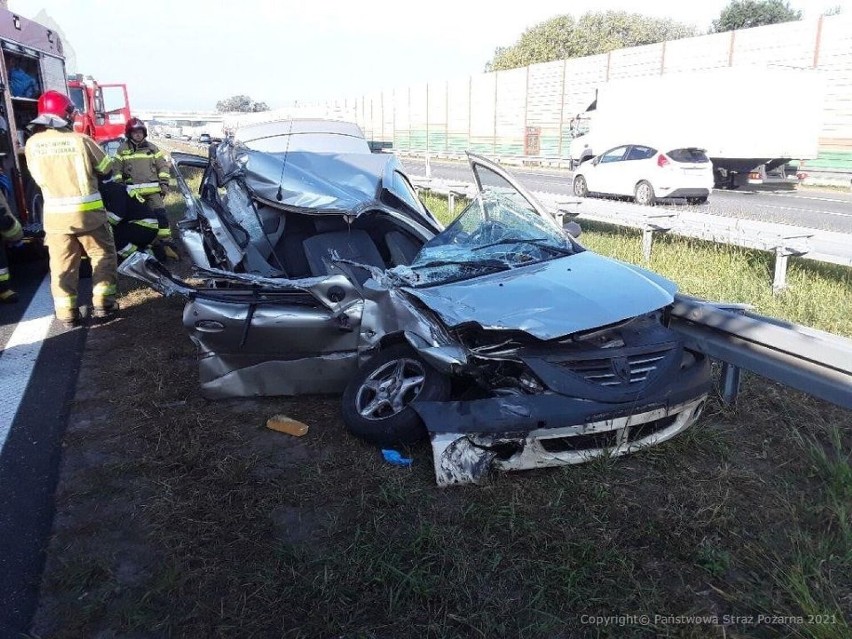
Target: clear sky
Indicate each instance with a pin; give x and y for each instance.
(187, 54)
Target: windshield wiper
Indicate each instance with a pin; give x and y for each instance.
(537, 241)
(490, 263)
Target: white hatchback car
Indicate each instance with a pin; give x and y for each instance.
(647, 174)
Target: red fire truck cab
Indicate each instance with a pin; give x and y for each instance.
(102, 109)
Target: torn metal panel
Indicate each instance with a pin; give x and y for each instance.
(461, 458)
(145, 268)
(193, 243)
(449, 359)
(389, 311)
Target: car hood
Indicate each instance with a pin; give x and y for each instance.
(551, 299)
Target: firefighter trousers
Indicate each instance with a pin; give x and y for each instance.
(131, 236)
(66, 250)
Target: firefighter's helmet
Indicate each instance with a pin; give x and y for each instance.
(55, 110)
(56, 103)
(133, 124)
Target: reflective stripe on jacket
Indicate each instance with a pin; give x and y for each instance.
(64, 163)
(144, 166)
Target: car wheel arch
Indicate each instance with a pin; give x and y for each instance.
(652, 197)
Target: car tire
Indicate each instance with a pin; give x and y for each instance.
(581, 189)
(697, 200)
(391, 421)
(644, 194)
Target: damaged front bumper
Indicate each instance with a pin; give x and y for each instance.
(463, 458)
(470, 439)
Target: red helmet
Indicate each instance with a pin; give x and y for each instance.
(135, 123)
(56, 103)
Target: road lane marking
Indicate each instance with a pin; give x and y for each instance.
(18, 358)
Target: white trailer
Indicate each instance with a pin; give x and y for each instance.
(750, 120)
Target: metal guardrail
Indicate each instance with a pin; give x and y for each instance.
(782, 239)
(814, 362)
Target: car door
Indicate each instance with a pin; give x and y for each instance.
(634, 168)
(489, 176)
(608, 173)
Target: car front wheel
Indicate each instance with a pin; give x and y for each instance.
(581, 189)
(644, 194)
(377, 401)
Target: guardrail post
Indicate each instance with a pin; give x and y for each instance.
(789, 245)
(648, 232)
(451, 202)
(730, 383)
(647, 242)
(779, 282)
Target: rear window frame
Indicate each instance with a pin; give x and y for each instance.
(692, 150)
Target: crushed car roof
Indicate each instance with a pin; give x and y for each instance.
(250, 132)
(311, 182)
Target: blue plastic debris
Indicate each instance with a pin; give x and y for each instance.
(393, 457)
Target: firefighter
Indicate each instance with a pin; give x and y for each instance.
(10, 231)
(141, 166)
(64, 164)
(133, 228)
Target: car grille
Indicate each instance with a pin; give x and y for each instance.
(589, 441)
(607, 438)
(618, 371)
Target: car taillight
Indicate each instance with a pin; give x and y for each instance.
(662, 160)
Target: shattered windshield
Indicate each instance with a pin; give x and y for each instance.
(496, 231)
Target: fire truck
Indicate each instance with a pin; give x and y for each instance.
(102, 109)
(31, 63)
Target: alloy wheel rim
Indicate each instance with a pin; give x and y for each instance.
(390, 389)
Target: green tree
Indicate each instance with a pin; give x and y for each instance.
(564, 37)
(744, 14)
(242, 103)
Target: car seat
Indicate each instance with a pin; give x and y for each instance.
(402, 248)
(354, 244)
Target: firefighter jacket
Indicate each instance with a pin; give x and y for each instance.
(144, 170)
(64, 164)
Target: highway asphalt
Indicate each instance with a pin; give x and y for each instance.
(39, 362)
(818, 209)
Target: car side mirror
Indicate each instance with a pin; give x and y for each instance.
(572, 228)
(596, 161)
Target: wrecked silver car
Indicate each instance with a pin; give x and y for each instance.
(500, 337)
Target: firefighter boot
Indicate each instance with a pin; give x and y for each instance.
(170, 249)
(106, 312)
(8, 296)
(70, 318)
